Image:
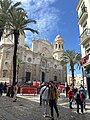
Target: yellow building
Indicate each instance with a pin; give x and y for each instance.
(78, 80)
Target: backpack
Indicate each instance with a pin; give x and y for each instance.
(83, 94)
(79, 97)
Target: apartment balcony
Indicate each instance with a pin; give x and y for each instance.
(85, 36)
(86, 60)
(83, 15)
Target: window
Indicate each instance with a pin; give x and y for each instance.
(29, 59)
(55, 66)
(45, 52)
(5, 73)
(59, 45)
(55, 78)
(85, 26)
(62, 46)
(24, 58)
(44, 63)
(83, 5)
(56, 45)
(87, 48)
(6, 63)
(7, 55)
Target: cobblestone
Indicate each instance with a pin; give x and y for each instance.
(27, 108)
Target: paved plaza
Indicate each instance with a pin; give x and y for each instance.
(27, 108)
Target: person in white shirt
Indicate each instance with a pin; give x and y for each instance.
(44, 93)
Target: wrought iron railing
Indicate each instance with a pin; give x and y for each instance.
(83, 10)
(85, 33)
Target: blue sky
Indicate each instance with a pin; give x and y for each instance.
(54, 17)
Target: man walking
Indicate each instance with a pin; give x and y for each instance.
(53, 96)
(42, 85)
(79, 100)
(44, 94)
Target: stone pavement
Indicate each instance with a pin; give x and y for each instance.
(27, 108)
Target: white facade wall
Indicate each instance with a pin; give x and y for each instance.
(36, 61)
(81, 26)
(84, 28)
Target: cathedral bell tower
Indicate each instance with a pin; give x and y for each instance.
(58, 47)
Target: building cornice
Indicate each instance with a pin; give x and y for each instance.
(57, 51)
(43, 41)
(78, 5)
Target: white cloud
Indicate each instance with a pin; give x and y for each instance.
(45, 15)
(23, 1)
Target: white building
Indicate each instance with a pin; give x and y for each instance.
(40, 63)
(83, 9)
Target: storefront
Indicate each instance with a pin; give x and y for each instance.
(88, 80)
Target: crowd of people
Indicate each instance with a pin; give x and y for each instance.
(10, 91)
(49, 97)
(77, 95)
(49, 94)
(3, 88)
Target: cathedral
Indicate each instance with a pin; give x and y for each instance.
(41, 62)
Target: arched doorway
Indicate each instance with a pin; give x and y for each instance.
(28, 74)
(55, 78)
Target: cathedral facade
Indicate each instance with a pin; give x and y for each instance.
(39, 63)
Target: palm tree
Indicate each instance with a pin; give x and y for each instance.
(73, 58)
(17, 23)
(5, 6)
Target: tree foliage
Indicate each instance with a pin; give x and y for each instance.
(15, 20)
(72, 58)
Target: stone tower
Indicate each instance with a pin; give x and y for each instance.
(58, 47)
(10, 39)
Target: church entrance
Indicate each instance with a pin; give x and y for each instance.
(28, 74)
(43, 77)
(55, 78)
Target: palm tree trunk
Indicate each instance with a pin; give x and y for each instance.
(1, 33)
(16, 36)
(72, 70)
